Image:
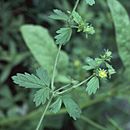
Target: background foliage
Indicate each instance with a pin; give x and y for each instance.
(112, 102)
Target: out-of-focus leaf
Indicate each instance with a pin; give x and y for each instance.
(17, 58)
(42, 46)
(122, 26)
(6, 93)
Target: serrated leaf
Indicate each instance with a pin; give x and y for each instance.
(31, 81)
(56, 106)
(43, 75)
(59, 15)
(64, 35)
(41, 96)
(72, 108)
(40, 43)
(122, 26)
(76, 17)
(92, 85)
(91, 64)
(90, 2)
(27, 80)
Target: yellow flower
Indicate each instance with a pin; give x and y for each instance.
(102, 73)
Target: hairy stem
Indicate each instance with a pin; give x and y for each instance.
(94, 124)
(44, 112)
(54, 68)
(75, 86)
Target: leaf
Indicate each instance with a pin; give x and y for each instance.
(122, 26)
(87, 67)
(56, 106)
(64, 35)
(76, 17)
(40, 43)
(92, 64)
(30, 80)
(41, 96)
(27, 80)
(72, 108)
(90, 2)
(111, 70)
(92, 85)
(59, 15)
(43, 75)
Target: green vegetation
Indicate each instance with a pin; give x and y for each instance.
(48, 50)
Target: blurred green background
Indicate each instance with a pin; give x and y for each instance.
(111, 105)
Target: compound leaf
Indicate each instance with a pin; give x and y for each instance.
(92, 85)
(72, 108)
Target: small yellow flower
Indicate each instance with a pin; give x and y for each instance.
(102, 73)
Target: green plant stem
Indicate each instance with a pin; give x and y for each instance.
(44, 112)
(54, 68)
(76, 4)
(94, 124)
(75, 86)
(63, 87)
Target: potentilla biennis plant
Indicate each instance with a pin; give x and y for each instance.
(54, 97)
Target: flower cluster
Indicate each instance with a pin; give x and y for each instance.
(101, 66)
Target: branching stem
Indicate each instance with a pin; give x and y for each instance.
(75, 86)
(63, 87)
